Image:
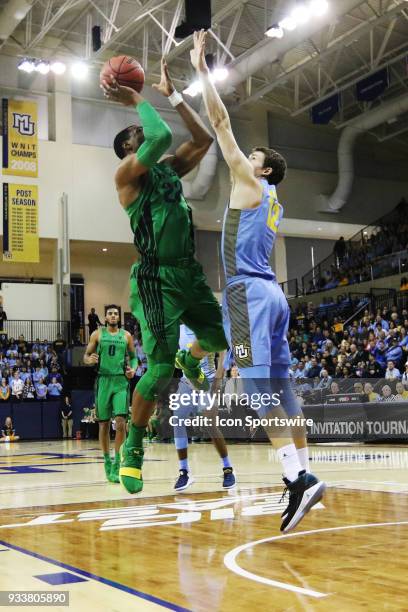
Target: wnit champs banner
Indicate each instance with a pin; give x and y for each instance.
(20, 143)
(20, 223)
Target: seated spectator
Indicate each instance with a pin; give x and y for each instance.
(371, 395)
(386, 394)
(314, 369)
(394, 352)
(43, 369)
(374, 370)
(358, 388)
(55, 374)
(17, 386)
(54, 388)
(392, 373)
(404, 377)
(4, 390)
(325, 380)
(334, 388)
(8, 433)
(37, 375)
(402, 393)
(28, 389)
(41, 389)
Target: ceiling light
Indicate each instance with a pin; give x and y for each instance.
(26, 65)
(288, 24)
(58, 67)
(220, 74)
(104, 249)
(319, 7)
(19, 15)
(42, 67)
(300, 14)
(275, 31)
(194, 89)
(79, 70)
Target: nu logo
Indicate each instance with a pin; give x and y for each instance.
(241, 351)
(23, 124)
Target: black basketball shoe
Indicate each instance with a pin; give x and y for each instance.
(183, 481)
(304, 493)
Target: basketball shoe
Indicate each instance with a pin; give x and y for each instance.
(183, 481)
(130, 471)
(195, 375)
(304, 493)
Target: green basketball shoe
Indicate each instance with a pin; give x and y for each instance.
(114, 473)
(195, 375)
(108, 466)
(130, 471)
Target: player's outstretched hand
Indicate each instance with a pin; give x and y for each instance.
(197, 54)
(129, 373)
(165, 87)
(119, 93)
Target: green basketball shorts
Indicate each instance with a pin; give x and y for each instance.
(161, 297)
(111, 397)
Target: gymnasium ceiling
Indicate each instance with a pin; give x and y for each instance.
(344, 48)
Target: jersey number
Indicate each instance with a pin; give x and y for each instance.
(273, 215)
(111, 350)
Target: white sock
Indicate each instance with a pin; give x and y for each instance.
(290, 461)
(303, 455)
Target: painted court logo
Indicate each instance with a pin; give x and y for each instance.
(23, 124)
(241, 351)
(164, 515)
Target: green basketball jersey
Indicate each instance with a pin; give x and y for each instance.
(112, 350)
(160, 217)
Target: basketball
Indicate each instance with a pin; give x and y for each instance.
(126, 70)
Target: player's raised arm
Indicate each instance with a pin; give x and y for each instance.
(248, 191)
(91, 357)
(189, 153)
(150, 142)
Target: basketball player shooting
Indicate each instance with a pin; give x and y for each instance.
(256, 313)
(167, 285)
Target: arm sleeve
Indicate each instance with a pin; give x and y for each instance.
(157, 135)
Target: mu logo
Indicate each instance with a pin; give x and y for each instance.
(23, 124)
(241, 351)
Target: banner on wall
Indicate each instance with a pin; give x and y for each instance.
(20, 138)
(20, 223)
(323, 113)
(373, 86)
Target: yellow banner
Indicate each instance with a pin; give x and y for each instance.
(20, 142)
(20, 223)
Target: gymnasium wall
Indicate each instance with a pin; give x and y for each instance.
(299, 257)
(77, 115)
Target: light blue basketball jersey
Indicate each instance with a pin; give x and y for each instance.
(249, 235)
(186, 339)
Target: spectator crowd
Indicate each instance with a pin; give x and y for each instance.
(355, 261)
(368, 356)
(31, 370)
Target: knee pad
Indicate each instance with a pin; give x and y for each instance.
(155, 380)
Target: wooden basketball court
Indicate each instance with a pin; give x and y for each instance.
(63, 528)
